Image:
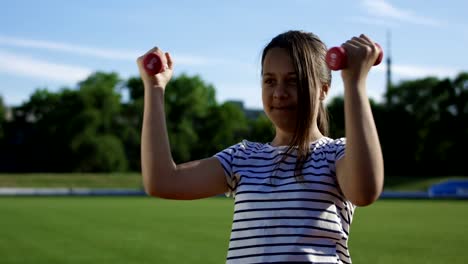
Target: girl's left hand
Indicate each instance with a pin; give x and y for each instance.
(361, 53)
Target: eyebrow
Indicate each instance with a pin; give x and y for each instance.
(271, 74)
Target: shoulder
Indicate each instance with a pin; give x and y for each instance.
(251, 145)
(332, 143)
(339, 142)
(333, 147)
(245, 146)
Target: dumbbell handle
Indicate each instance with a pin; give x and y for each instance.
(337, 60)
(153, 64)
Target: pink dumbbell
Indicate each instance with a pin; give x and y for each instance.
(153, 64)
(337, 60)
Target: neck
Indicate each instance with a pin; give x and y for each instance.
(283, 138)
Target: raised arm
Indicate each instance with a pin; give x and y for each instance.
(161, 176)
(360, 172)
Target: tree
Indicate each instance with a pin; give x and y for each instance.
(188, 101)
(97, 146)
(99, 92)
(43, 122)
(198, 127)
(2, 118)
(130, 122)
(135, 88)
(99, 153)
(423, 125)
(428, 118)
(129, 127)
(224, 126)
(336, 116)
(63, 130)
(261, 129)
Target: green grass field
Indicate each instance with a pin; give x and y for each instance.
(72, 180)
(145, 230)
(134, 180)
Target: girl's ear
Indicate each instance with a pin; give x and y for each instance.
(324, 91)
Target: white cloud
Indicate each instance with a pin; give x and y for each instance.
(70, 48)
(416, 71)
(181, 59)
(373, 21)
(412, 71)
(30, 67)
(383, 9)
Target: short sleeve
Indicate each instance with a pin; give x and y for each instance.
(340, 148)
(227, 159)
(337, 151)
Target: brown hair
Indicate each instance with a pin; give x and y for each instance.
(307, 52)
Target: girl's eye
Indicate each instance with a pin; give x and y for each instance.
(292, 81)
(268, 81)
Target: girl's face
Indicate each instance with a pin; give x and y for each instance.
(279, 89)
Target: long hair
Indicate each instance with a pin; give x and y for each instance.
(307, 52)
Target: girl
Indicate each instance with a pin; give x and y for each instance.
(294, 196)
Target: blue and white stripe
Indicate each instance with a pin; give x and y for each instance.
(279, 217)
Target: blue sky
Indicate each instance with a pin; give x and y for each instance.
(54, 43)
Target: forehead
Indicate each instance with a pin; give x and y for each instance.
(278, 61)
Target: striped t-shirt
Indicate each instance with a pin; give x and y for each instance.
(283, 218)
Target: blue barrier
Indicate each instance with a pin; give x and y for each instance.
(450, 189)
(404, 195)
(70, 192)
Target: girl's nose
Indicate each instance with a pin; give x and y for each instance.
(280, 92)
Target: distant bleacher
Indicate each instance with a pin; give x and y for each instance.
(449, 188)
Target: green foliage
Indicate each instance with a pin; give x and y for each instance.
(423, 125)
(2, 117)
(188, 104)
(99, 93)
(224, 125)
(135, 88)
(66, 129)
(427, 125)
(261, 129)
(335, 109)
(99, 153)
(129, 126)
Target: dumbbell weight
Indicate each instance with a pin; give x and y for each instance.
(337, 60)
(153, 64)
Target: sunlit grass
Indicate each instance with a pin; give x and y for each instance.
(144, 230)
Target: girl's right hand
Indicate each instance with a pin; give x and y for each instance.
(160, 79)
(362, 53)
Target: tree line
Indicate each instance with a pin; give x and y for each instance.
(422, 125)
